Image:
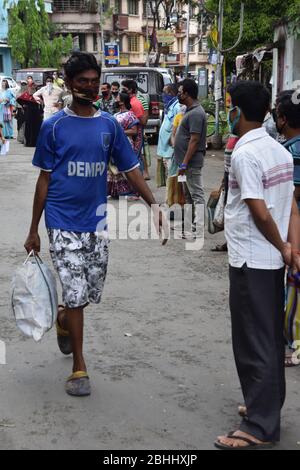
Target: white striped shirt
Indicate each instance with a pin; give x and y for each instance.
(261, 168)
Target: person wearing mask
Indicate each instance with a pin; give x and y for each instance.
(115, 89)
(7, 106)
(50, 96)
(72, 189)
(33, 114)
(189, 151)
(287, 117)
(140, 107)
(262, 232)
(107, 102)
(130, 87)
(19, 114)
(118, 185)
(58, 81)
(165, 149)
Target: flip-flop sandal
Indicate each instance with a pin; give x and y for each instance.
(63, 338)
(251, 444)
(220, 249)
(78, 385)
(288, 362)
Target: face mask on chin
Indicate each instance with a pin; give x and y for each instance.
(115, 93)
(84, 97)
(233, 124)
(105, 94)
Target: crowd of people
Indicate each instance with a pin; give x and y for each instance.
(262, 224)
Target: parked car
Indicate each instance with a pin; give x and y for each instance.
(39, 75)
(168, 74)
(12, 84)
(150, 83)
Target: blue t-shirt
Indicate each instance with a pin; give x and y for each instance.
(293, 146)
(77, 150)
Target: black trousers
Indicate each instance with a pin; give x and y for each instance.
(257, 311)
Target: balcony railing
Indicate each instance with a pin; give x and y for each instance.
(75, 6)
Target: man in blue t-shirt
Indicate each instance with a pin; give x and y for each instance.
(287, 118)
(73, 152)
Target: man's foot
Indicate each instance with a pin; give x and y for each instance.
(291, 360)
(240, 440)
(78, 385)
(63, 336)
(220, 248)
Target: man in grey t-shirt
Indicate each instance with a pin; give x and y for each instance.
(190, 149)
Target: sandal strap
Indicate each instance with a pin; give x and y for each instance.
(243, 439)
(78, 375)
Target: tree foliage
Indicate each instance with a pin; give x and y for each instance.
(260, 18)
(31, 35)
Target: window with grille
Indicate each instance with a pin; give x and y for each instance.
(134, 43)
(192, 44)
(133, 7)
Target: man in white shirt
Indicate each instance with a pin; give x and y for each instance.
(262, 230)
(51, 97)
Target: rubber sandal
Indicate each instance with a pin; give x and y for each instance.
(63, 338)
(78, 385)
(251, 444)
(220, 249)
(288, 362)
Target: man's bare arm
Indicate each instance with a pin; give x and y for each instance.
(41, 192)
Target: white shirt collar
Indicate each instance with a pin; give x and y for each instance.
(255, 134)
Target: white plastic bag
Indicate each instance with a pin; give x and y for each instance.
(34, 298)
(220, 211)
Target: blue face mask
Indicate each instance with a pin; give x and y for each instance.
(167, 99)
(234, 123)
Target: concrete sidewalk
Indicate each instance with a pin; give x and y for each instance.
(171, 385)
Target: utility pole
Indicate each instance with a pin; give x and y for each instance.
(218, 82)
(101, 38)
(187, 55)
(147, 36)
(217, 138)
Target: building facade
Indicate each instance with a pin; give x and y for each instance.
(5, 54)
(286, 59)
(125, 22)
(6, 60)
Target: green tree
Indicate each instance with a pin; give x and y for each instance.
(32, 37)
(260, 18)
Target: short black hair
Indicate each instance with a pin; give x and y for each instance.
(106, 84)
(49, 78)
(124, 97)
(116, 84)
(190, 87)
(252, 98)
(173, 88)
(80, 62)
(131, 85)
(288, 104)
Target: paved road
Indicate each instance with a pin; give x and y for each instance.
(171, 385)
